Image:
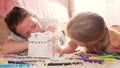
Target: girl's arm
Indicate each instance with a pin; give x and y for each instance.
(70, 47)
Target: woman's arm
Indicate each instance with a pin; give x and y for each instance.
(12, 47)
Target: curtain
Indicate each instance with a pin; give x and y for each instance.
(108, 9)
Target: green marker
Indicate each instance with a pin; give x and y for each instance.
(101, 58)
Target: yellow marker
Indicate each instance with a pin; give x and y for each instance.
(3, 62)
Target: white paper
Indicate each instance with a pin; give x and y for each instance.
(40, 45)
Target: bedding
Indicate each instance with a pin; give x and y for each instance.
(52, 9)
(42, 8)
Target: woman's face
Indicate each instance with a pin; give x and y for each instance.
(27, 26)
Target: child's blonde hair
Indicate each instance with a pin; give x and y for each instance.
(86, 27)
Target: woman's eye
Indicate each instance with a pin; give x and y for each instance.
(34, 25)
(27, 34)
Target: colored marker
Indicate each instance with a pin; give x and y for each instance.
(14, 65)
(59, 64)
(15, 62)
(100, 58)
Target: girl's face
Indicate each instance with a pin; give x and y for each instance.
(27, 26)
(82, 43)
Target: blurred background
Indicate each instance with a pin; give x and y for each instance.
(62, 10)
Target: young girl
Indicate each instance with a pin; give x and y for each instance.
(90, 31)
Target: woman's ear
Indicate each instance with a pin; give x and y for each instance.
(35, 17)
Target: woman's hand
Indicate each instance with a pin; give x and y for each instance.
(50, 28)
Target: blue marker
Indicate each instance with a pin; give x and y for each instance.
(15, 62)
(14, 65)
(19, 63)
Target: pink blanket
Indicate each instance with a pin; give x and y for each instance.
(42, 8)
